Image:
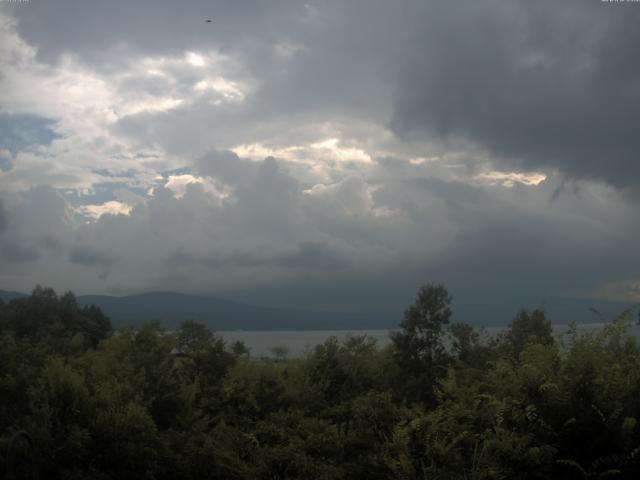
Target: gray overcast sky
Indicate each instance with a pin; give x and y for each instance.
(329, 154)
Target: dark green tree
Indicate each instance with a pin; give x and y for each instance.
(527, 328)
(419, 350)
(57, 321)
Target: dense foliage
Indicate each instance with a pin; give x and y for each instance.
(442, 401)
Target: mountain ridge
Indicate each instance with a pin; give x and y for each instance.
(172, 308)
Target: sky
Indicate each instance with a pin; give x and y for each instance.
(330, 155)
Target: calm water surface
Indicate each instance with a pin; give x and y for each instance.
(297, 342)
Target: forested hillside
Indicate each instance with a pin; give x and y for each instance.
(442, 401)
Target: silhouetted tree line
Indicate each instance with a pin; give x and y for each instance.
(442, 401)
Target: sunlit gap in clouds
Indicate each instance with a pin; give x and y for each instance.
(510, 179)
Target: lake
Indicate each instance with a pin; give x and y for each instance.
(297, 342)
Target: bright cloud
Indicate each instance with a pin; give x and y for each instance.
(229, 90)
(195, 59)
(328, 150)
(510, 179)
(108, 208)
(178, 185)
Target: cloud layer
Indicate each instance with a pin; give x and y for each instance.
(329, 155)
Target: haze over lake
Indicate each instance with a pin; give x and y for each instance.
(298, 343)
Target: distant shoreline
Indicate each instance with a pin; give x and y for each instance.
(296, 342)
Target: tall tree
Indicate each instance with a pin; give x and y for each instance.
(528, 328)
(419, 350)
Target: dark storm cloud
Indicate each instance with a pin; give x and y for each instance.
(227, 166)
(539, 84)
(14, 252)
(313, 256)
(180, 259)
(88, 256)
(308, 256)
(455, 194)
(94, 30)
(518, 254)
(3, 217)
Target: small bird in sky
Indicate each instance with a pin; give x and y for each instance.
(208, 20)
